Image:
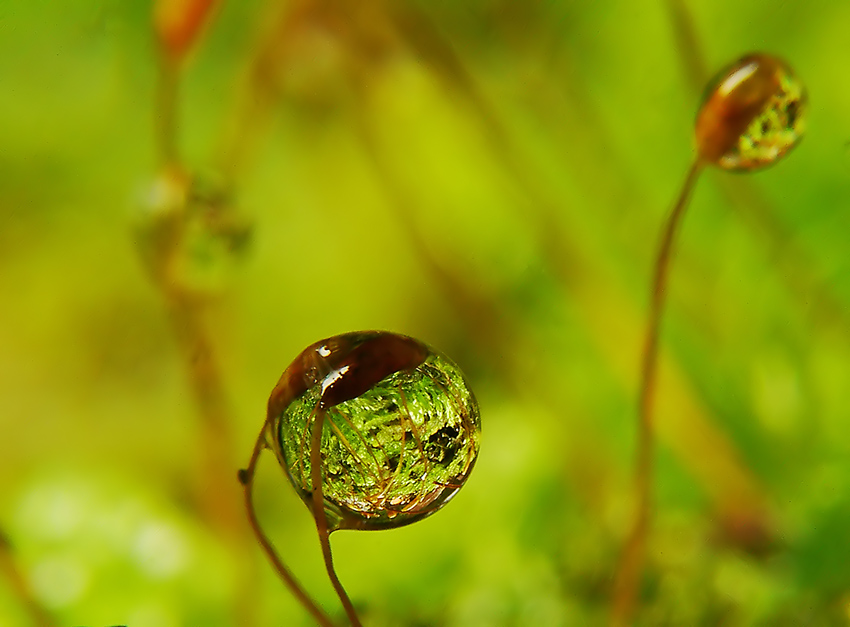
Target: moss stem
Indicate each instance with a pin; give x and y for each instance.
(246, 478)
(631, 562)
(10, 568)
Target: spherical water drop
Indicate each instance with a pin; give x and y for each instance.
(401, 428)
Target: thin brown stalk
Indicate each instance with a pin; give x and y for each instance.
(246, 478)
(687, 41)
(321, 517)
(206, 381)
(190, 314)
(256, 96)
(18, 583)
(631, 562)
(166, 110)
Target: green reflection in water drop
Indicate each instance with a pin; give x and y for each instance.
(390, 456)
(777, 129)
(753, 114)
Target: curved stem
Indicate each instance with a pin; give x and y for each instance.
(161, 249)
(166, 111)
(321, 517)
(246, 478)
(691, 54)
(631, 561)
(20, 587)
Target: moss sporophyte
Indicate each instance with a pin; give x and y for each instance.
(752, 114)
(375, 430)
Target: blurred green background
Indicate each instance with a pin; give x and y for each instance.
(488, 176)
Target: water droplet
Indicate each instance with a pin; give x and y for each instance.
(752, 115)
(400, 421)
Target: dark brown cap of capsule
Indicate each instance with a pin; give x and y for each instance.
(347, 366)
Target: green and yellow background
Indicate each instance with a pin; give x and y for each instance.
(490, 177)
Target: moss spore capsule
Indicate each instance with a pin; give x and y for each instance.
(753, 113)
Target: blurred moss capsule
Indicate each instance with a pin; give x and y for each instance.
(177, 24)
(401, 428)
(753, 113)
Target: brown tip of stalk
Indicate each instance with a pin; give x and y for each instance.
(178, 23)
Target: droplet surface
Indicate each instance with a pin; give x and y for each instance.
(401, 428)
(752, 115)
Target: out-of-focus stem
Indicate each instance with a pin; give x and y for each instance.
(207, 384)
(246, 478)
(687, 41)
(631, 562)
(9, 567)
(255, 99)
(165, 112)
(190, 313)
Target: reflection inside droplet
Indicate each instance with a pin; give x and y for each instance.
(400, 428)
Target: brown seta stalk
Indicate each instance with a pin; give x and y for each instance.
(190, 311)
(246, 478)
(630, 568)
(20, 587)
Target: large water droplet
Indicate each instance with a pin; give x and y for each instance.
(393, 451)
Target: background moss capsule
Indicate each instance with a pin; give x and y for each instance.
(753, 113)
(401, 430)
